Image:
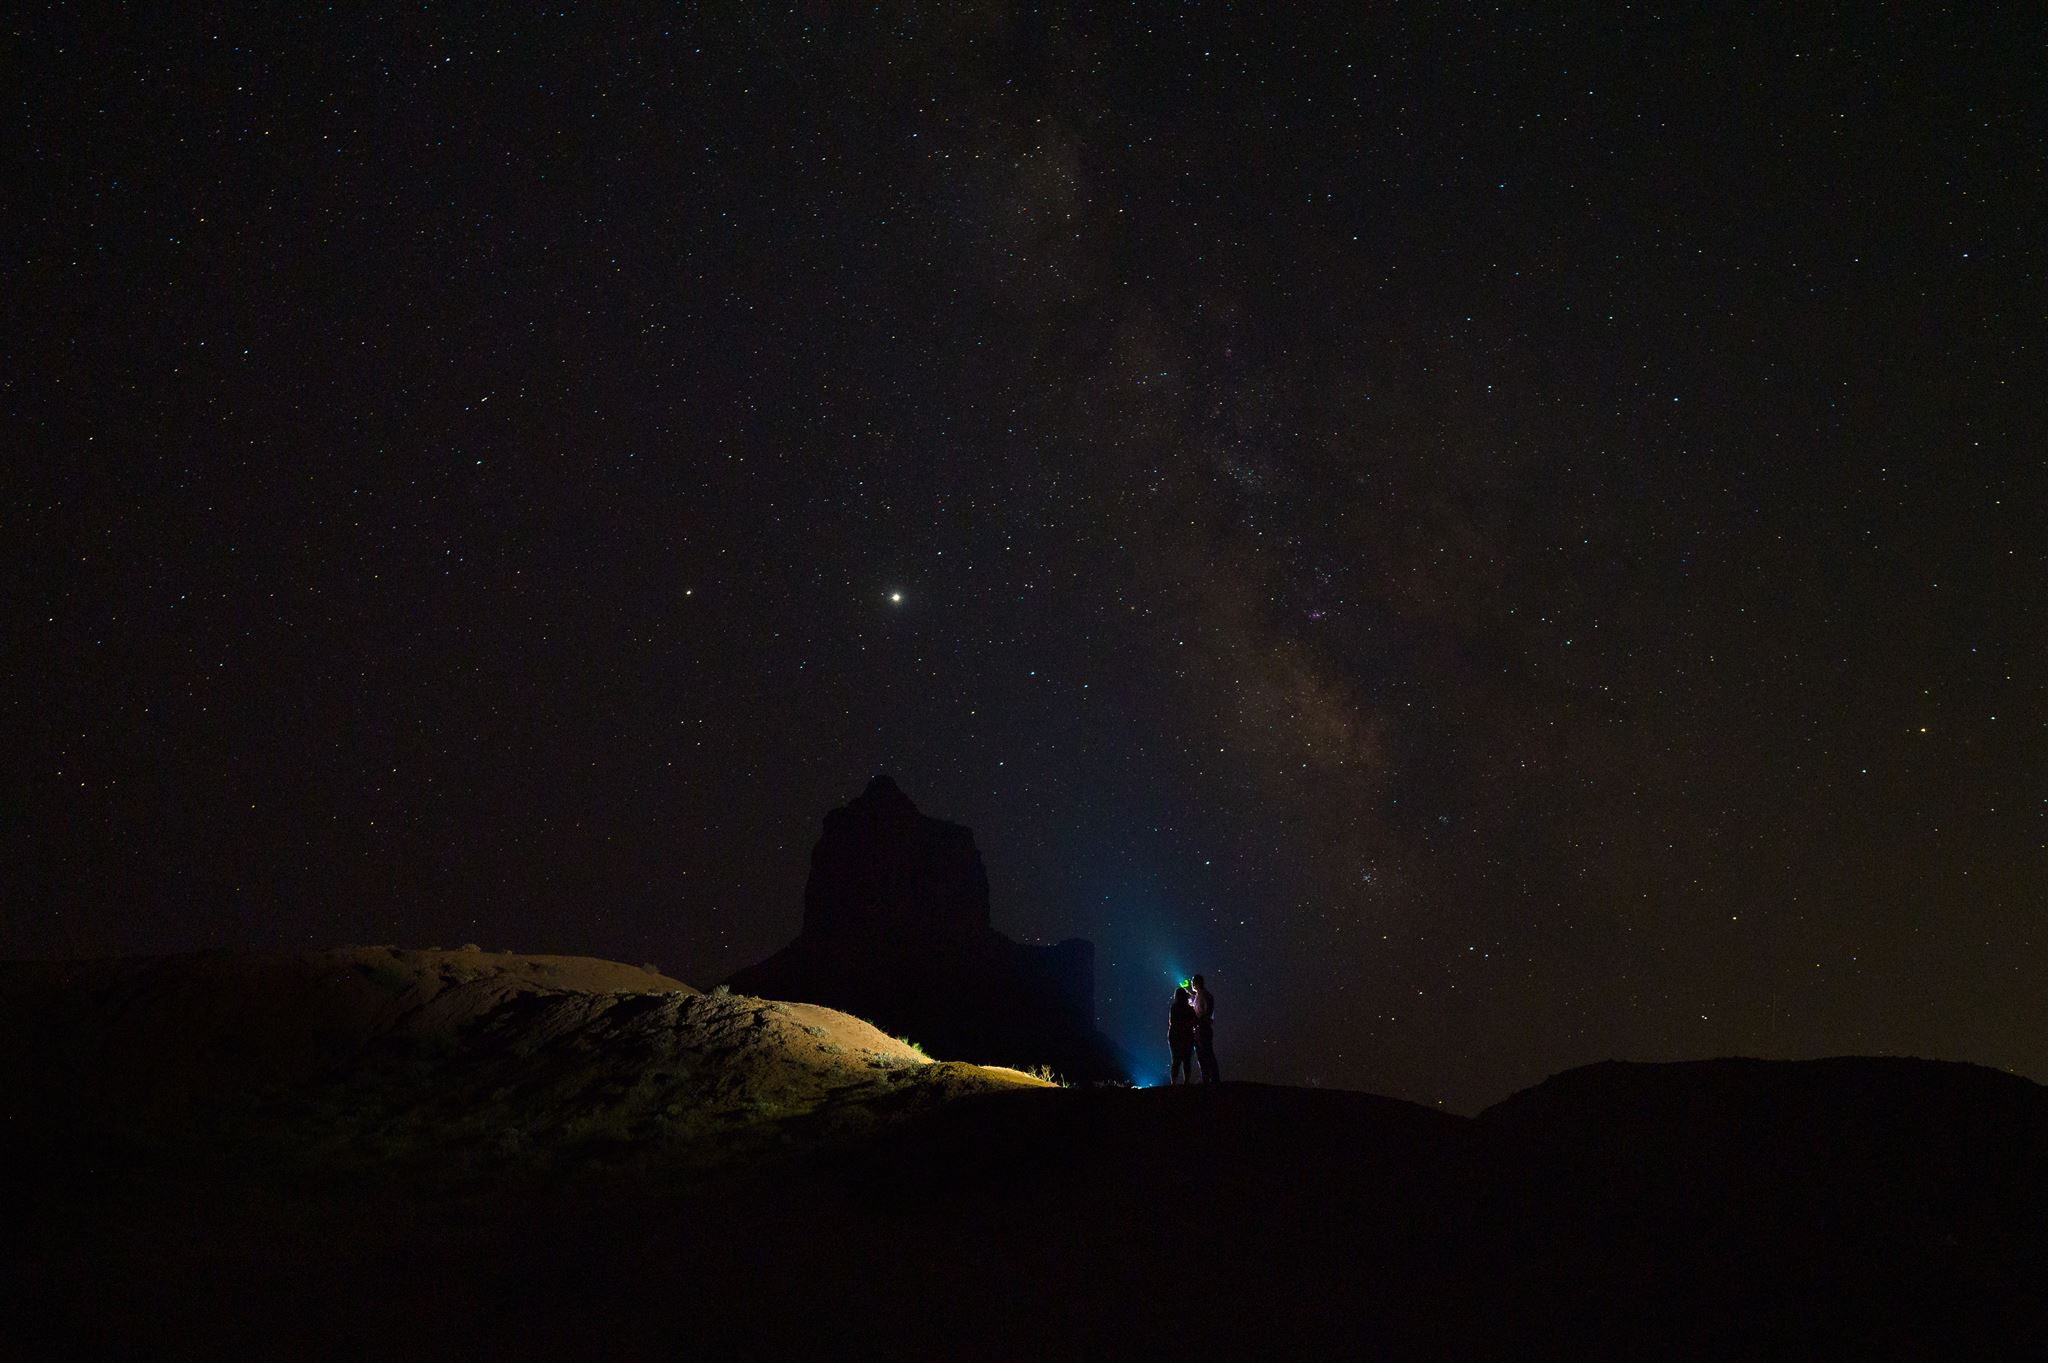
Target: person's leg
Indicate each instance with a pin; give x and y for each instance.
(1205, 1050)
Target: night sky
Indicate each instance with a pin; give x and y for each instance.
(1505, 539)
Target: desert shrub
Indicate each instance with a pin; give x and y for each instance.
(721, 991)
(1044, 1073)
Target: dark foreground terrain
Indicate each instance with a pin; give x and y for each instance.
(769, 1181)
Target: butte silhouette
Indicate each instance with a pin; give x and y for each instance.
(896, 930)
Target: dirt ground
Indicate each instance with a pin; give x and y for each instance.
(643, 1172)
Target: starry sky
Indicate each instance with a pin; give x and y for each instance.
(1504, 538)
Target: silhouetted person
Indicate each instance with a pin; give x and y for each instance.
(1180, 1037)
(1205, 1030)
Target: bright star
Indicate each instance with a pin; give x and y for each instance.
(895, 598)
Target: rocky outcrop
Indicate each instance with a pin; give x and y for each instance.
(382, 1062)
(896, 930)
(884, 870)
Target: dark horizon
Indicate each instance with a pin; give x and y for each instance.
(1505, 542)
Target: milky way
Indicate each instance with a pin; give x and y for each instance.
(1503, 541)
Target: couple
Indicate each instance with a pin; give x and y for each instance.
(1190, 1028)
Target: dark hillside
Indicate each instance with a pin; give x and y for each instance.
(568, 1166)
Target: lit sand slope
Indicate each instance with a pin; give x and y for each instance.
(366, 1056)
(163, 1027)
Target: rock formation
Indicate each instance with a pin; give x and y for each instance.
(896, 930)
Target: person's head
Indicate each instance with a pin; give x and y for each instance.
(1180, 993)
(1197, 982)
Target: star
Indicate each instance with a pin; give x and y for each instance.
(895, 598)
